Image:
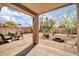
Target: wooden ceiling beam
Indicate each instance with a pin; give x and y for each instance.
(24, 8)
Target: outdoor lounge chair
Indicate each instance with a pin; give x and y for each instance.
(3, 38)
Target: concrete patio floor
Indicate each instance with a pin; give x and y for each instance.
(44, 48)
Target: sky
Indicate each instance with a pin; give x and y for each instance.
(9, 14)
(61, 12)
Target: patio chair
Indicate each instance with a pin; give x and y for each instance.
(12, 36)
(3, 38)
(18, 35)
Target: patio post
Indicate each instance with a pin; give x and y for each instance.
(35, 29)
(78, 28)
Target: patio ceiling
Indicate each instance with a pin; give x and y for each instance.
(35, 8)
(40, 8)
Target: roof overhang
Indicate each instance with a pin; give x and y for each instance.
(33, 9)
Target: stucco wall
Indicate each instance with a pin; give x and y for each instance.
(14, 29)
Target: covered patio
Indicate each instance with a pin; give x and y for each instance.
(39, 47)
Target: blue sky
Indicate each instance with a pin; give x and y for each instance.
(9, 14)
(58, 13)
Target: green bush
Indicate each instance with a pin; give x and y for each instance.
(53, 29)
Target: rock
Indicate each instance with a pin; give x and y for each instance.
(58, 40)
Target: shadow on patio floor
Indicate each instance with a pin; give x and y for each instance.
(26, 50)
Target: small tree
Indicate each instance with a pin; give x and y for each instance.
(53, 29)
(62, 25)
(46, 24)
(41, 24)
(67, 24)
(74, 26)
(9, 24)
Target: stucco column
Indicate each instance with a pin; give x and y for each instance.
(0, 7)
(36, 29)
(78, 28)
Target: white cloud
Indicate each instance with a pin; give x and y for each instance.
(24, 16)
(6, 12)
(64, 15)
(8, 18)
(20, 21)
(14, 20)
(46, 15)
(8, 15)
